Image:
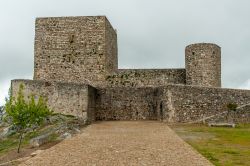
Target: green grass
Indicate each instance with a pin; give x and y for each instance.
(11, 142)
(6, 145)
(222, 146)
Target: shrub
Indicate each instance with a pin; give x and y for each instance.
(24, 114)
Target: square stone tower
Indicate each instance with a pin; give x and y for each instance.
(75, 49)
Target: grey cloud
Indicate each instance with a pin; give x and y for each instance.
(151, 34)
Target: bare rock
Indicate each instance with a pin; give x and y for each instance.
(66, 136)
(7, 132)
(222, 125)
(40, 140)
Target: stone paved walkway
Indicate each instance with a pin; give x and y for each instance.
(121, 143)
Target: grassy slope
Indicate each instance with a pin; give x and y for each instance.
(222, 146)
(11, 142)
(8, 146)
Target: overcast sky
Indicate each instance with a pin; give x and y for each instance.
(151, 33)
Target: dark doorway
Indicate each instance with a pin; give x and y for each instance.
(161, 111)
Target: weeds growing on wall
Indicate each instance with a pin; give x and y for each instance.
(232, 106)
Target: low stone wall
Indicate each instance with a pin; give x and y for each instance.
(193, 103)
(146, 77)
(243, 114)
(125, 103)
(171, 103)
(71, 99)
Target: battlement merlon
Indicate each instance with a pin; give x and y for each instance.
(75, 49)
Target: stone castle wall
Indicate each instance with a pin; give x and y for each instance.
(75, 49)
(172, 103)
(66, 98)
(193, 103)
(242, 115)
(72, 53)
(127, 103)
(84, 50)
(111, 48)
(203, 65)
(146, 77)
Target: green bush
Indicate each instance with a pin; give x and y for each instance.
(25, 114)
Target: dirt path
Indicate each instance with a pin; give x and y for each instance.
(122, 143)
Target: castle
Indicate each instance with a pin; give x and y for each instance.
(76, 69)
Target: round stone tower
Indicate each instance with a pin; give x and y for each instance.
(203, 65)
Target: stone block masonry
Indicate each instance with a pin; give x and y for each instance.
(75, 49)
(126, 103)
(203, 65)
(76, 68)
(66, 98)
(146, 77)
(171, 103)
(193, 104)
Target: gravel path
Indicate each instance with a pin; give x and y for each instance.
(121, 143)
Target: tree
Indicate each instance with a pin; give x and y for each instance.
(25, 114)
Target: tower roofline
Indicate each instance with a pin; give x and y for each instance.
(63, 17)
(203, 44)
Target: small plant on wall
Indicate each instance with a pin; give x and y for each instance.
(232, 106)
